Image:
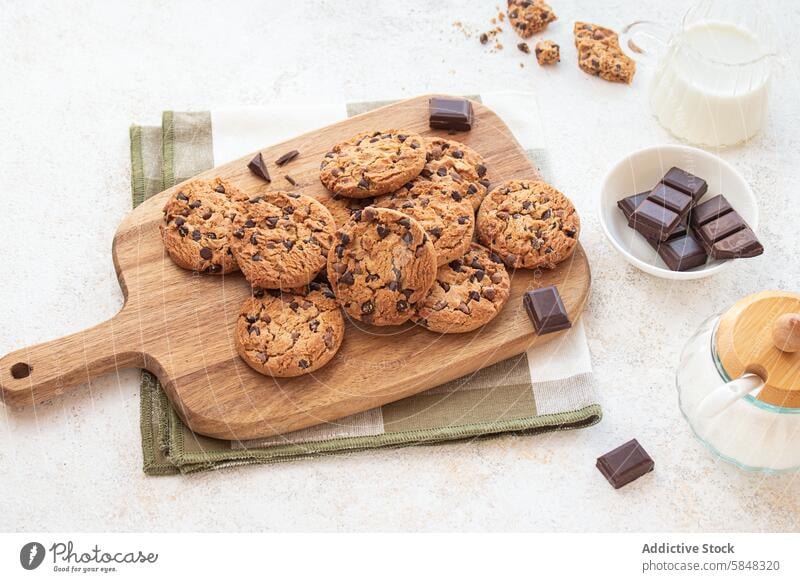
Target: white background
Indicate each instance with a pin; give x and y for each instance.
(75, 75)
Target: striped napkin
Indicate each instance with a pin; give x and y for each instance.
(549, 388)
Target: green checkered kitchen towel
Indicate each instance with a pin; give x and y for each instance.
(550, 388)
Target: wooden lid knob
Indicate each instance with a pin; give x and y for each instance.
(760, 335)
(786, 332)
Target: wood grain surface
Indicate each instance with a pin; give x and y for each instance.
(180, 325)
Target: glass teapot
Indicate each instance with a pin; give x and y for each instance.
(739, 382)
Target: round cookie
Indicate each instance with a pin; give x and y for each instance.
(440, 208)
(197, 226)
(287, 334)
(343, 208)
(449, 160)
(468, 293)
(381, 265)
(373, 163)
(281, 240)
(529, 224)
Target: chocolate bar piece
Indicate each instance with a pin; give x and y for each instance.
(546, 310)
(628, 205)
(671, 198)
(740, 245)
(654, 220)
(625, 464)
(723, 232)
(681, 253)
(685, 182)
(709, 210)
(453, 114)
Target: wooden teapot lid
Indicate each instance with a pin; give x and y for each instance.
(760, 334)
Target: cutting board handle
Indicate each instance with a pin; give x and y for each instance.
(40, 372)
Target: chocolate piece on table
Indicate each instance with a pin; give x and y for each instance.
(259, 168)
(455, 114)
(625, 464)
(671, 198)
(740, 245)
(709, 210)
(681, 253)
(653, 220)
(685, 182)
(546, 310)
(287, 157)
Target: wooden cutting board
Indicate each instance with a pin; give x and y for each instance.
(180, 325)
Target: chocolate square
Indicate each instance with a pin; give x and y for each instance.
(721, 227)
(625, 464)
(739, 245)
(685, 182)
(709, 210)
(629, 203)
(653, 220)
(681, 253)
(452, 114)
(546, 310)
(671, 198)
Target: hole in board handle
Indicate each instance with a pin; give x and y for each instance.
(21, 370)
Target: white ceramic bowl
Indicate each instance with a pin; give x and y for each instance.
(641, 171)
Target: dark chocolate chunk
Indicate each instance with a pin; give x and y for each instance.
(671, 198)
(709, 210)
(452, 114)
(291, 180)
(685, 182)
(682, 253)
(740, 245)
(653, 220)
(259, 168)
(546, 310)
(287, 157)
(206, 253)
(625, 464)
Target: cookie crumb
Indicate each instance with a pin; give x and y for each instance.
(599, 53)
(530, 16)
(547, 53)
(523, 46)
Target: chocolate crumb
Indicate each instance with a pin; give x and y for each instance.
(289, 179)
(287, 157)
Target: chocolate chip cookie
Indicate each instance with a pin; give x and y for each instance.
(451, 161)
(197, 226)
(442, 211)
(599, 53)
(373, 163)
(281, 240)
(468, 293)
(284, 334)
(529, 224)
(529, 16)
(343, 208)
(381, 264)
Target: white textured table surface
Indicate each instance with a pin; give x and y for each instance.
(77, 74)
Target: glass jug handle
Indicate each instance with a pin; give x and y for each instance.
(646, 40)
(721, 398)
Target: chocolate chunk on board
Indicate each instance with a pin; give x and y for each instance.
(685, 182)
(625, 464)
(453, 114)
(287, 157)
(546, 310)
(258, 167)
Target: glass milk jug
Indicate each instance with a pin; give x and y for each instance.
(739, 382)
(711, 82)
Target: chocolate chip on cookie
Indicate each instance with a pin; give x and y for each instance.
(529, 224)
(381, 264)
(468, 293)
(289, 334)
(197, 225)
(281, 240)
(372, 163)
(442, 210)
(529, 16)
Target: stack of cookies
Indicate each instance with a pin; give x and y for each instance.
(396, 240)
